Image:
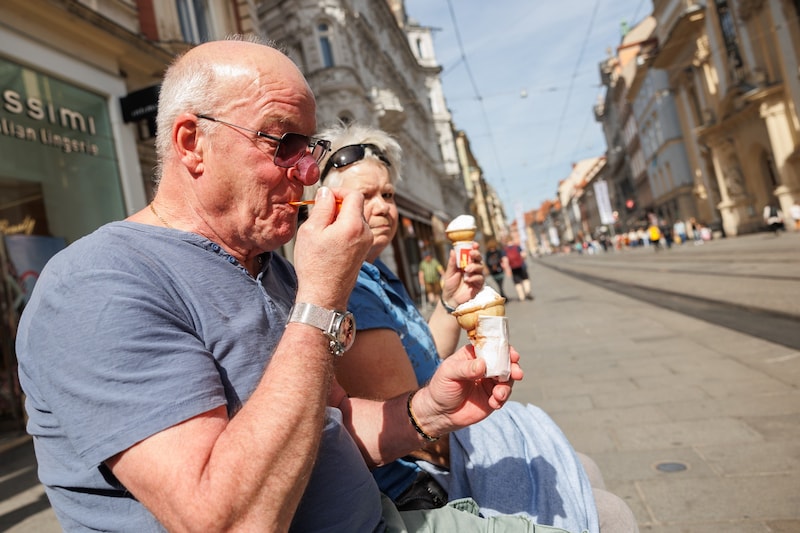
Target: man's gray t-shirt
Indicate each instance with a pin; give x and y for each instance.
(134, 329)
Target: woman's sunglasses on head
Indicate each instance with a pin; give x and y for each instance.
(291, 146)
(347, 155)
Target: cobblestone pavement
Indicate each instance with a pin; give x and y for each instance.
(695, 425)
(640, 387)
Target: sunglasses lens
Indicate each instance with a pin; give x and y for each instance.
(321, 148)
(291, 148)
(348, 155)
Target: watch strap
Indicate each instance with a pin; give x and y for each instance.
(313, 315)
(322, 319)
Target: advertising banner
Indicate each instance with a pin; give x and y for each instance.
(603, 202)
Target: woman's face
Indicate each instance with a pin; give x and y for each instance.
(371, 178)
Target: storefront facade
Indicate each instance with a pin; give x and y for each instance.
(68, 161)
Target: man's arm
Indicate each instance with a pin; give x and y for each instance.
(211, 473)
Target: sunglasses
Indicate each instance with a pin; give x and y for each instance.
(291, 146)
(347, 155)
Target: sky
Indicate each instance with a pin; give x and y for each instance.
(521, 78)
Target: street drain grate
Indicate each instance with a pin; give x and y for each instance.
(671, 466)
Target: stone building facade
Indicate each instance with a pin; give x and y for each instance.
(366, 62)
(733, 66)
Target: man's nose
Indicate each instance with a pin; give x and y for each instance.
(305, 171)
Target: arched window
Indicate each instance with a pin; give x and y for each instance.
(325, 47)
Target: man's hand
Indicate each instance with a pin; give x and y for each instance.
(458, 286)
(330, 248)
(458, 395)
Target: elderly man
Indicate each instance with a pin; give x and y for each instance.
(178, 372)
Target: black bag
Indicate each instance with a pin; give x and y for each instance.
(424, 493)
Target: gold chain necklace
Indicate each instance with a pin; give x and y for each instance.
(153, 209)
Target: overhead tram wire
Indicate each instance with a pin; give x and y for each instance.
(478, 96)
(578, 149)
(572, 83)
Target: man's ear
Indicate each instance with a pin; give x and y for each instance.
(185, 139)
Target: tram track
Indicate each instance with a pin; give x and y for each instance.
(772, 325)
(699, 272)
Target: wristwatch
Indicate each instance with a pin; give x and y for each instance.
(338, 326)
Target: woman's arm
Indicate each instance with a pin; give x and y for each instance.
(376, 366)
(458, 288)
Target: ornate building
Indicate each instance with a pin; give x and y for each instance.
(733, 66)
(665, 183)
(366, 62)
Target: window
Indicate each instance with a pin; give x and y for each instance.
(325, 47)
(728, 26)
(193, 15)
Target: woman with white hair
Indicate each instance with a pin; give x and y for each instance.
(515, 461)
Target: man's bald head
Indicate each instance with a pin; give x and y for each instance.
(206, 78)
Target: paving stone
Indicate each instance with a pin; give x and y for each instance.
(715, 527)
(615, 418)
(690, 500)
(753, 459)
(737, 405)
(776, 428)
(686, 433)
(642, 464)
(784, 526)
(664, 394)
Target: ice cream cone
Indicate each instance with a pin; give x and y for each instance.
(468, 317)
(461, 232)
(483, 317)
(461, 235)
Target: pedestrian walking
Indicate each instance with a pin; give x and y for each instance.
(519, 271)
(794, 212)
(679, 231)
(773, 216)
(430, 275)
(654, 234)
(497, 265)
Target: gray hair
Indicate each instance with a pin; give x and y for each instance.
(191, 84)
(342, 135)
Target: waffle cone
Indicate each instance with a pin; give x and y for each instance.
(461, 235)
(468, 318)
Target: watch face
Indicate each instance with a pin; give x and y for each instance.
(346, 331)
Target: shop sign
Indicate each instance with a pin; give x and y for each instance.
(56, 138)
(38, 111)
(140, 105)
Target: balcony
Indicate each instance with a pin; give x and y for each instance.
(388, 108)
(678, 22)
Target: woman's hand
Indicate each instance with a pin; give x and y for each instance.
(459, 287)
(458, 395)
